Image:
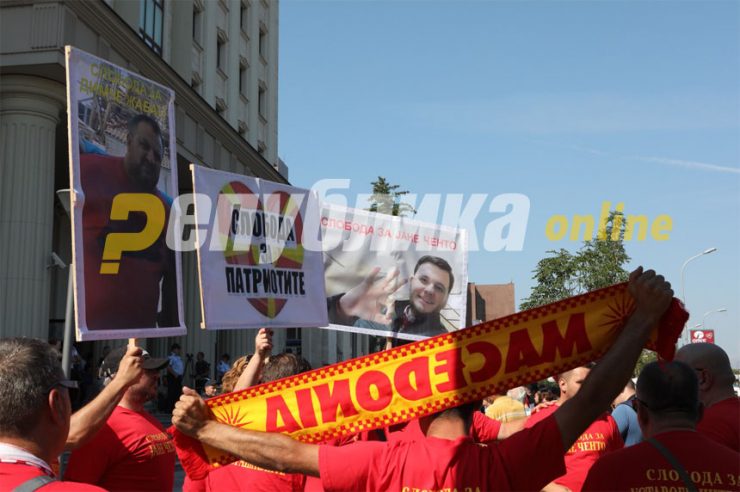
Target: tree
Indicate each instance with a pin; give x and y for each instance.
(386, 199)
(599, 263)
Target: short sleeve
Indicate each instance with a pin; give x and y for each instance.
(528, 467)
(484, 429)
(348, 467)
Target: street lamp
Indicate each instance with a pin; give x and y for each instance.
(683, 276)
(720, 310)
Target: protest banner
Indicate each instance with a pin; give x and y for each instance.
(254, 269)
(123, 171)
(393, 276)
(428, 376)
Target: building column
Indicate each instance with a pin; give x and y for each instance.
(30, 110)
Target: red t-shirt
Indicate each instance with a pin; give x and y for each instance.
(601, 437)
(130, 452)
(434, 464)
(241, 475)
(721, 422)
(14, 474)
(135, 288)
(710, 465)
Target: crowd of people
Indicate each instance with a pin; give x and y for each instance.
(677, 428)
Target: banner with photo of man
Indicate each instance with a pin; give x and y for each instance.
(123, 172)
(393, 276)
(254, 264)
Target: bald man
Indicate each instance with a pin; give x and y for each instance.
(721, 420)
(601, 437)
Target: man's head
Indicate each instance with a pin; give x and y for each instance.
(667, 393)
(145, 388)
(175, 348)
(143, 158)
(210, 388)
(713, 369)
(457, 417)
(34, 394)
(200, 356)
(282, 366)
(570, 382)
(430, 285)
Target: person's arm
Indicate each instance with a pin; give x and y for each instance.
(262, 349)
(86, 422)
(508, 429)
(268, 450)
(652, 295)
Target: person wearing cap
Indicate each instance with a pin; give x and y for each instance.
(35, 411)
(131, 451)
(210, 388)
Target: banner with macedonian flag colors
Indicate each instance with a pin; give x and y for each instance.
(254, 267)
(431, 375)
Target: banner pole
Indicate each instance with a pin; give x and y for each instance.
(67, 344)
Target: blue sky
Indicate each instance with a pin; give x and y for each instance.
(570, 103)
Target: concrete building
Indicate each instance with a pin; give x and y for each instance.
(219, 56)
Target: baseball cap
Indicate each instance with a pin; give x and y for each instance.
(110, 364)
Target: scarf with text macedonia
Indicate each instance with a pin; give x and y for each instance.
(431, 375)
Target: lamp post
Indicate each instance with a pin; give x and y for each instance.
(683, 283)
(703, 319)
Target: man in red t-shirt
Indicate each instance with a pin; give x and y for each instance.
(130, 298)
(447, 457)
(132, 451)
(35, 410)
(721, 420)
(598, 439)
(674, 456)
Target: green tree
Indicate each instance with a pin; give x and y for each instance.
(599, 263)
(646, 357)
(387, 199)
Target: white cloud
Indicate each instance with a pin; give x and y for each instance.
(702, 166)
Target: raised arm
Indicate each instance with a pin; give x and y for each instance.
(652, 295)
(262, 349)
(267, 450)
(88, 420)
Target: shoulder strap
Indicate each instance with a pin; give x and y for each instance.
(33, 484)
(690, 486)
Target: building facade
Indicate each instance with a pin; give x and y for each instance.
(221, 59)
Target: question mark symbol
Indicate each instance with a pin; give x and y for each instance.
(118, 242)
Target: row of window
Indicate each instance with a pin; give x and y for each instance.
(151, 21)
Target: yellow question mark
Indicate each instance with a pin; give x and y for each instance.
(118, 242)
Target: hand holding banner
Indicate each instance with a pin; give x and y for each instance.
(432, 375)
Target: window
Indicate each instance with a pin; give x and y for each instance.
(262, 102)
(263, 42)
(244, 17)
(197, 24)
(243, 77)
(221, 50)
(151, 19)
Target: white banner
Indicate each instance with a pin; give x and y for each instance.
(393, 276)
(123, 172)
(254, 264)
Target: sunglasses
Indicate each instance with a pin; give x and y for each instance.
(73, 387)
